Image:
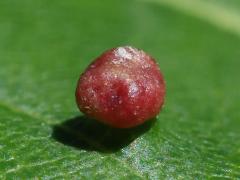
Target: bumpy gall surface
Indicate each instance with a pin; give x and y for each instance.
(122, 88)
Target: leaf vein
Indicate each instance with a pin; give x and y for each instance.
(79, 135)
(221, 17)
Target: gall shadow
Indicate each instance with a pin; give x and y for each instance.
(84, 133)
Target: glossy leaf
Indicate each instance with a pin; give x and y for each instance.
(45, 45)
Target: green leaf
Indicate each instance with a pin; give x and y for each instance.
(44, 47)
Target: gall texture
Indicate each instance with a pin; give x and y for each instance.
(122, 88)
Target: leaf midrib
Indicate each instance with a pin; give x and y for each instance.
(224, 18)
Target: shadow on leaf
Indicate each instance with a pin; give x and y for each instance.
(84, 133)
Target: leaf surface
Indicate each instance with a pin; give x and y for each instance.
(46, 45)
